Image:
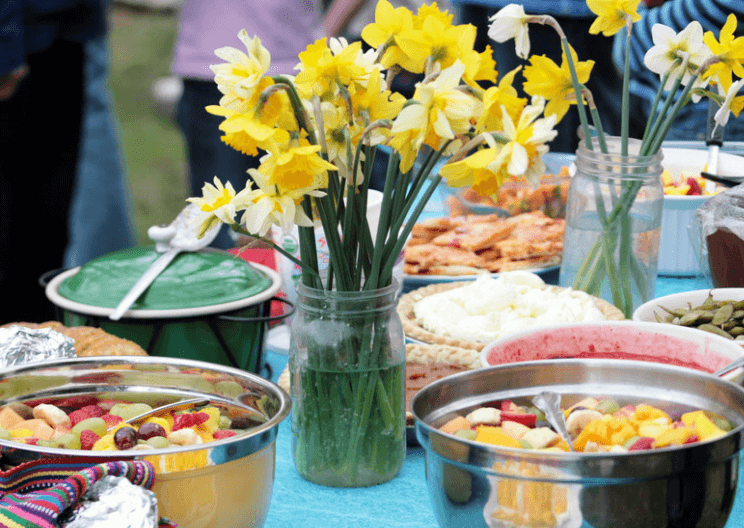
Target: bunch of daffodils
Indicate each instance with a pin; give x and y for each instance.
(318, 134)
(691, 65)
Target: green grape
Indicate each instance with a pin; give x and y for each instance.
(97, 425)
(224, 422)
(5, 434)
(69, 441)
(46, 443)
(158, 442)
(129, 410)
(229, 388)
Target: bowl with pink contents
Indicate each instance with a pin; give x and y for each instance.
(632, 340)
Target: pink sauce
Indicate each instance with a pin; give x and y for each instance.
(603, 342)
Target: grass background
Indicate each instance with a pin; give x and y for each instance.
(141, 43)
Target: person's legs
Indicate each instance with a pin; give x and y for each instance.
(39, 142)
(101, 213)
(208, 155)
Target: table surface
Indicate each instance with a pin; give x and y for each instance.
(404, 501)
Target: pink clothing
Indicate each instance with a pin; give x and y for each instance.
(285, 27)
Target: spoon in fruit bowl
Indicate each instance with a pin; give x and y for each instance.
(550, 403)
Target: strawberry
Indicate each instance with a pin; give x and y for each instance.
(182, 421)
(519, 417)
(89, 411)
(111, 419)
(509, 406)
(223, 433)
(643, 442)
(695, 189)
(87, 439)
(31, 440)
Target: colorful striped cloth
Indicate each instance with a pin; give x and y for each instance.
(35, 493)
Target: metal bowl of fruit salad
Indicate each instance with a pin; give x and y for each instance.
(655, 445)
(88, 407)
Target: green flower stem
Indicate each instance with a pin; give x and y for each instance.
(657, 100)
(657, 139)
(577, 90)
(308, 251)
(625, 254)
(397, 247)
(373, 280)
(625, 114)
(596, 120)
(335, 250)
(297, 108)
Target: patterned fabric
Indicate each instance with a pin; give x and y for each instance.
(34, 494)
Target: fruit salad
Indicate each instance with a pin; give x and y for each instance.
(686, 184)
(100, 425)
(594, 425)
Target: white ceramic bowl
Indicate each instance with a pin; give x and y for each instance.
(677, 255)
(644, 341)
(645, 312)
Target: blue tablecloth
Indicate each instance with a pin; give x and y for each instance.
(402, 502)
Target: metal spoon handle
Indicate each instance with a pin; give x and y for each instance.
(155, 269)
(731, 366)
(181, 405)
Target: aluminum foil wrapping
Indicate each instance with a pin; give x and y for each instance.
(20, 345)
(113, 502)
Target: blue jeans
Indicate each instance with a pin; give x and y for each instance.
(100, 219)
(208, 155)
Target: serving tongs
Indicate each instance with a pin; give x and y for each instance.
(722, 180)
(170, 240)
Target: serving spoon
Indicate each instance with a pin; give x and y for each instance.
(550, 403)
(731, 366)
(170, 240)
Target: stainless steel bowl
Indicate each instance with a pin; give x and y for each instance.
(474, 484)
(225, 483)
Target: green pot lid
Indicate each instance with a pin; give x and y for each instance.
(191, 280)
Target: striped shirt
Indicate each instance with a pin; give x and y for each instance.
(677, 14)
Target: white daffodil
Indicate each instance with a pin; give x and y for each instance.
(239, 76)
(522, 155)
(220, 203)
(270, 206)
(511, 23)
(723, 113)
(669, 47)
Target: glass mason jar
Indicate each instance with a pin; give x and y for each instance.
(347, 369)
(613, 224)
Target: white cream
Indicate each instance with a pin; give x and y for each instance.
(489, 308)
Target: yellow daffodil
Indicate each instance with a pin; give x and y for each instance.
(527, 142)
(296, 168)
(497, 96)
(272, 206)
(321, 70)
(670, 46)
(247, 132)
(241, 75)
(373, 104)
(543, 77)
(432, 10)
(219, 204)
(442, 112)
(729, 50)
(508, 23)
(731, 104)
(612, 15)
(389, 23)
(439, 44)
(474, 171)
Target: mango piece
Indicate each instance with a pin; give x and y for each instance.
(645, 413)
(455, 425)
(38, 427)
(703, 426)
(21, 432)
(9, 418)
(495, 436)
(675, 436)
(652, 430)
